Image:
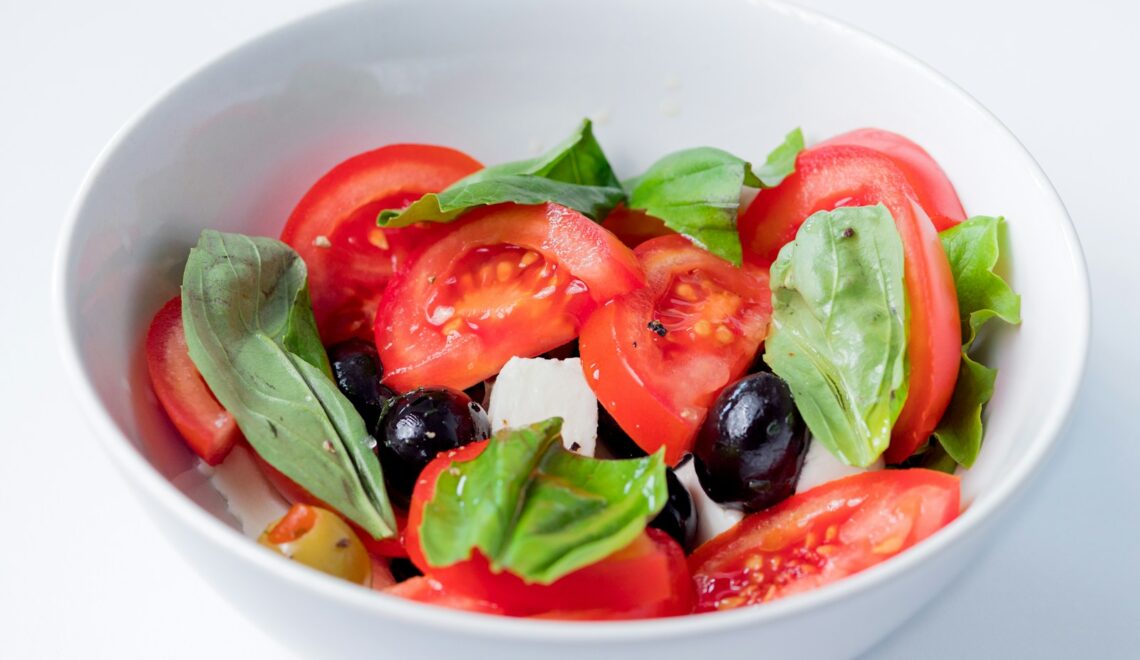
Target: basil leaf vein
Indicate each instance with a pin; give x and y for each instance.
(973, 250)
(537, 510)
(838, 333)
(574, 174)
(251, 333)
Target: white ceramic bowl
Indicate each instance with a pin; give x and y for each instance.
(234, 146)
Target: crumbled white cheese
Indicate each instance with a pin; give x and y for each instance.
(530, 390)
(820, 467)
(248, 494)
(712, 518)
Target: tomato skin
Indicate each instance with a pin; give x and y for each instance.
(817, 537)
(453, 319)
(427, 590)
(333, 228)
(205, 426)
(843, 175)
(634, 227)
(934, 191)
(634, 371)
(296, 494)
(648, 578)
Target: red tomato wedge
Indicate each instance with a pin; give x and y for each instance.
(203, 423)
(936, 195)
(427, 590)
(646, 579)
(657, 357)
(506, 280)
(840, 175)
(296, 494)
(334, 229)
(820, 536)
(634, 227)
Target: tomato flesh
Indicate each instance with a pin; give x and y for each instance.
(333, 228)
(634, 227)
(648, 578)
(822, 535)
(206, 427)
(657, 357)
(935, 193)
(427, 590)
(829, 177)
(504, 281)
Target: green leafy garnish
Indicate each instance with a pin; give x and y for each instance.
(973, 249)
(574, 174)
(250, 331)
(838, 333)
(538, 510)
(696, 192)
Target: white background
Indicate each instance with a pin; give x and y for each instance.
(84, 574)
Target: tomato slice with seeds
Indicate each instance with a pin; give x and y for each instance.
(822, 535)
(506, 280)
(831, 176)
(333, 228)
(657, 357)
(646, 579)
(205, 426)
(934, 191)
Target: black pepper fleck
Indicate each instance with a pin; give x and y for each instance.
(848, 233)
(658, 327)
(574, 446)
(342, 543)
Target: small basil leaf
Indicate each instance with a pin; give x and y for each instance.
(960, 429)
(250, 331)
(696, 192)
(838, 332)
(972, 249)
(537, 510)
(574, 174)
(780, 162)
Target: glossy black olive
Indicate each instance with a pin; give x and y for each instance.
(678, 518)
(357, 370)
(751, 446)
(613, 442)
(419, 425)
(402, 569)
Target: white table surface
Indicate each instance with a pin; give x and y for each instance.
(84, 574)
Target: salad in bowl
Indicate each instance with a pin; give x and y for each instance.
(541, 389)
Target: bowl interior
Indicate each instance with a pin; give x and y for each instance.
(236, 145)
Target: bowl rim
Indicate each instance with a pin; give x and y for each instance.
(174, 503)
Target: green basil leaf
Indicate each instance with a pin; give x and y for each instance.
(960, 429)
(931, 456)
(538, 510)
(838, 332)
(250, 331)
(780, 162)
(574, 174)
(696, 192)
(972, 249)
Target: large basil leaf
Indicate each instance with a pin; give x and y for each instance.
(538, 510)
(696, 192)
(250, 330)
(838, 332)
(972, 248)
(574, 174)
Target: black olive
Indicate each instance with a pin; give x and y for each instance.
(615, 442)
(357, 370)
(402, 569)
(678, 518)
(419, 425)
(751, 446)
(477, 392)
